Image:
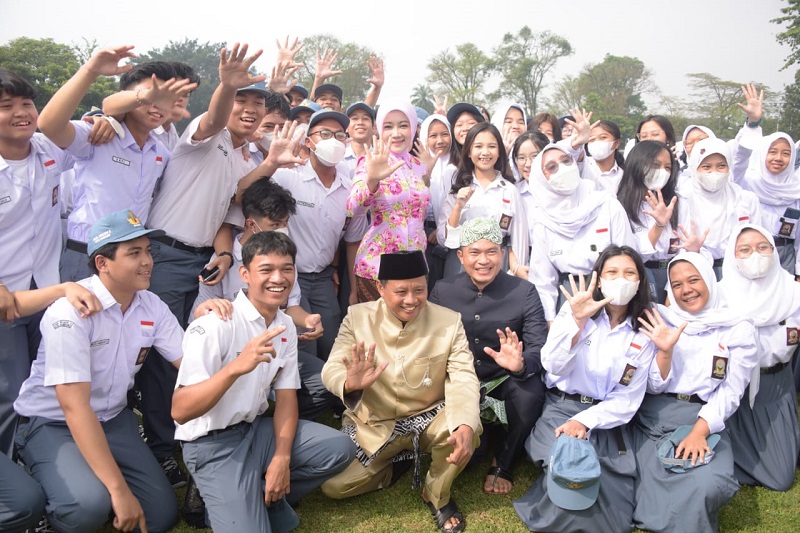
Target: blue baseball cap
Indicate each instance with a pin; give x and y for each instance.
(121, 226)
(298, 87)
(352, 108)
(260, 88)
(328, 88)
(573, 477)
(305, 105)
(667, 446)
(329, 114)
(421, 114)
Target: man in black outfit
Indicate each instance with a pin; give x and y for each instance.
(506, 328)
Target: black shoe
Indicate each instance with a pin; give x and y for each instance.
(42, 527)
(194, 509)
(173, 472)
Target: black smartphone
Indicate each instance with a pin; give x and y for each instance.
(302, 330)
(209, 273)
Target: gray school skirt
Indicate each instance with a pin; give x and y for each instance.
(613, 510)
(766, 437)
(666, 501)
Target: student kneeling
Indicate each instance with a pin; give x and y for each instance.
(223, 388)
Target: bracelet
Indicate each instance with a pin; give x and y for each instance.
(660, 225)
(755, 124)
(228, 254)
(139, 100)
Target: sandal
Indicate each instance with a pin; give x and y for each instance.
(498, 472)
(441, 516)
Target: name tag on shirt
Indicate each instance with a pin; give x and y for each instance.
(117, 159)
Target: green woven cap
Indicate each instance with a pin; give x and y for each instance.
(480, 228)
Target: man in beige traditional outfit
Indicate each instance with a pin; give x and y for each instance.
(413, 388)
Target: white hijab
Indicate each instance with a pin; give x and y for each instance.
(564, 214)
(441, 181)
(713, 315)
(715, 210)
(498, 119)
(773, 189)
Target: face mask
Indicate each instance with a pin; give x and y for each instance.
(330, 151)
(285, 231)
(713, 181)
(756, 266)
(656, 178)
(266, 140)
(566, 179)
(600, 150)
(620, 289)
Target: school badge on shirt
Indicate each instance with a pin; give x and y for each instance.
(719, 367)
(143, 352)
(792, 336)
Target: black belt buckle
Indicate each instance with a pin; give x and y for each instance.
(587, 399)
(684, 397)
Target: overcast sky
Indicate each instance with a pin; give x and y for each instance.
(731, 39)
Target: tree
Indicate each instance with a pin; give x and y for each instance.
(568, 94)
(715, 102)
(47, 65)
(460, 76)
(422, 96)
(352, 61)
(202, 57)
(791, 36)
(523, 61)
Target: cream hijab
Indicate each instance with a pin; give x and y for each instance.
(773, 189)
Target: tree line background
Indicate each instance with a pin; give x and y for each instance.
(520, 66)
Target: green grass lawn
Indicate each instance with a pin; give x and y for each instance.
(399, 508)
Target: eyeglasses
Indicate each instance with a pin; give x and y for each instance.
(522, 159)
(649, 135)
(327, 134)
(745, 251)
(552, 166)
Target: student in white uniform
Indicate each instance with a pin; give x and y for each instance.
(605, 163)
(771, 177)
(596, 360)
(76, 434)
(575, 223)
(511, 121)
(696, 383)
(483, 188)
(223, 389)
(526, 148)
(713, 200)
(764, 430)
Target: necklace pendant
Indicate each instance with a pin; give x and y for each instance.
(427, 382)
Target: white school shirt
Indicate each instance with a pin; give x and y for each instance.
(232, 282)
(530, 203)
(777, 342)
(609, 365)
(107, 350)
(111, 177)
(169, 137)
(554, 253)
(715, 365)
(603, 181)
(498, 199)
(210, 344)
(747, 211)
(321, 220)
(198, 186)
(30, 216)
(441, 184)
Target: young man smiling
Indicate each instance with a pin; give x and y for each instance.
(245, 463)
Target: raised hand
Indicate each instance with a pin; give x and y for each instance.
(754, 102)
(287, 52)
(658, 331)
(425, 157)
(660, 211)
(690, 240)
(280, 81)
(582, 126)
(377, 161)
(234, 68)
(440, 107)
(284, 150)
(510, 354)
(166, 94)
(463, 195)
(362, 370)
(581, 301)
(258, 350)
(325, 65)
(105, 62)
(375, 66)
(508, 140)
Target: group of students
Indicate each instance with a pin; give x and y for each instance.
(605, 239)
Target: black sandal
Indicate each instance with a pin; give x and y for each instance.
(441, 516)
(498, 472)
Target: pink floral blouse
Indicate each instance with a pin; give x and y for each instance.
(397, 209)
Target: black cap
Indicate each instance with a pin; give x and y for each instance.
(402, 265)
(462, 107)
(360, 105)
(328, 87)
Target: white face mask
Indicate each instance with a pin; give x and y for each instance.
(620, 289)
(330, 151)
(756, 266)
(284, 230)
(266, 140)
(566, 179)
(600, 150)
(712, 181)
(656, 178)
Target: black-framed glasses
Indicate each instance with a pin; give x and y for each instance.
(327, 134)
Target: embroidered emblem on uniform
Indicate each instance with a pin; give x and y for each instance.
(556, 252)
(117, 159)
(63, 324)
(199, 330)
(593, 247)
(222, 149)
(505, 222)
(5, 200)
(792, 336)
(627, 375)
(304, 204)
(101, 342)
(588, 342)
(719, 367)
(142, 355)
